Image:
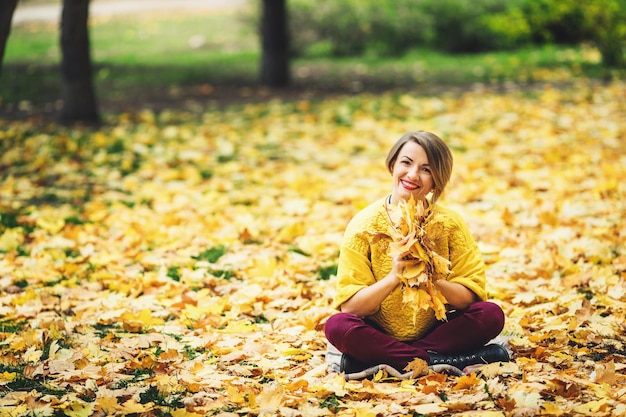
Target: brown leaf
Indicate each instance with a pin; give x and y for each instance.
(605, 373)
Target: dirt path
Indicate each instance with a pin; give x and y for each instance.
(52, 12)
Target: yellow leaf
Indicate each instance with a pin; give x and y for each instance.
(380, 375)
(290, 232)
(181, 412)
(262, 267)
(19, 410)
(235, 394)
(25, 297)
(7, 377)
(132, 407)
(146, 318)
(134, 323)
(413, 270)
(438, 301)
(79, 409)
(416, 250)
(50, 224)
(365, 412)
(552, 409)
(11, 239)
(592, 407)
(32, 355)
(441, 265)
(467, 381)
(107, 404)
(239, 326)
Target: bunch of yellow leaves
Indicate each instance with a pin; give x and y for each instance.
(408, 235)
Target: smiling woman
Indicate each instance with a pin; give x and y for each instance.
(376, 325)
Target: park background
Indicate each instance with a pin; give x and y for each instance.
(178, 257)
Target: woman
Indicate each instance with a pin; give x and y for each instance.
(374, 326)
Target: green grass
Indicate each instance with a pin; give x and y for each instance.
(160, 57)
(155, 39)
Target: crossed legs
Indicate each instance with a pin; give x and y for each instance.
(464, 331)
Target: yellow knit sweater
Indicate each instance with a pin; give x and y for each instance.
(364, 260)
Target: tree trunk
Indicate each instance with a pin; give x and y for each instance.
(275, 44)
(79, 99)
(7, 7)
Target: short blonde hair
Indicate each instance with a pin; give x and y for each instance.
(438, 153)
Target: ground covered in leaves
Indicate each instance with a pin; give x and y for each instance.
(183, 263)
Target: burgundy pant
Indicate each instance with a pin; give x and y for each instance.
(464, 331)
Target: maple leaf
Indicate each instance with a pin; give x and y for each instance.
(271, 398)
(592, 407)
(79, 409)
(136, 323)
(604, 373)
(467, 381)
(417, 367)
(132, 406)
(107, 404)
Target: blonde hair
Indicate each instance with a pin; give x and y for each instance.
(438, 153)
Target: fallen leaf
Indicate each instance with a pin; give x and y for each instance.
(467, 381)
(418, 367)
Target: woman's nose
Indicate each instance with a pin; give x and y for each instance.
(414, 174)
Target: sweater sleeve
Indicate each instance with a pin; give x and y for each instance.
(468, 266)
(353, 274)
(354, 267)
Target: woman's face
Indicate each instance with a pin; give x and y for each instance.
(411, 174)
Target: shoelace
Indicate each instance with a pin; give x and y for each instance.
(459, 359)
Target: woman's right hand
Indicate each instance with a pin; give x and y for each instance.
(399, 260)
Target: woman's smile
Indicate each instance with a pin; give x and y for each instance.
(409, 185)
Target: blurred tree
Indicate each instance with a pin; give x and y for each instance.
(607, 21)
(79, 99)
(7, 7)
(275, 44)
